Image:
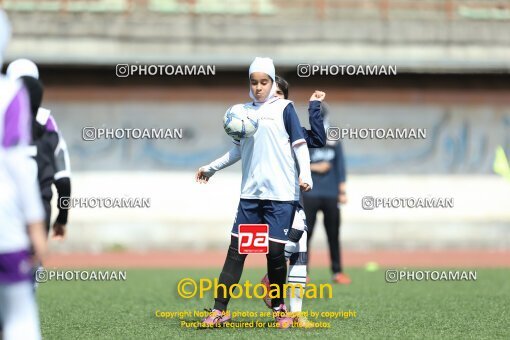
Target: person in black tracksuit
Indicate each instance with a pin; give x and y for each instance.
(329, 177)
(45, 149)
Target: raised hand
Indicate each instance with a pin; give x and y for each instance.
(318, 95)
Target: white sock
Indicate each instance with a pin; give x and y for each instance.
(296, 276)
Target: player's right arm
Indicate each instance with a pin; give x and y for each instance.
(232, 156)
(23, 172)
(37, 234)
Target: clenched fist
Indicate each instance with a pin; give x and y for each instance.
(318, 95)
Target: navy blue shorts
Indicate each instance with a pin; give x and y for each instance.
(277, 214)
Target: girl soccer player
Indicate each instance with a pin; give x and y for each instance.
(52, 157)
(270, 185)
(296, 247)
(21, 212)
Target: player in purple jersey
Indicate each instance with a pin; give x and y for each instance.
(21, 212)
(50, 151)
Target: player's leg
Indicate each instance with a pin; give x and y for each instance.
(297, 262)
(230, 274)
(297, 275)
(291, 247)
(311, 207)
(332, 224)
(277, 270)
(279, 216)
(247, 212)
(18, 311)
(47, 221)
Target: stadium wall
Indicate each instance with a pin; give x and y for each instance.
(460, 139)
(186, 215)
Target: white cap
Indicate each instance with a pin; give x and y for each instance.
(264, 65)
(22, 67)
(5, 34)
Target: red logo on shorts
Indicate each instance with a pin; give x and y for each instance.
(253, 238)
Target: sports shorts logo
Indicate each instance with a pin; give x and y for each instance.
(253, 238)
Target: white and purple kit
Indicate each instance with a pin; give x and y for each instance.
(20, 204)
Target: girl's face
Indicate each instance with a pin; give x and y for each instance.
(260, 84)
(279, 92)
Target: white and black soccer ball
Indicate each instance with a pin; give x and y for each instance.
(239, 123)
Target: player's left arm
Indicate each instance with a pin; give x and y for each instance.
(316, 136)
(62, 181)
(298, 142)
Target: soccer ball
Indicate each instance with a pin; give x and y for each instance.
(238, 123)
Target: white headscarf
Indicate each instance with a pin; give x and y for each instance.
(264, 65)
(5, 34)
(22, 67)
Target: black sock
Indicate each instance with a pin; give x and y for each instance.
(277, 269)
(230, 274)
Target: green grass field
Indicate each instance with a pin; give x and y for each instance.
(126, 310)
